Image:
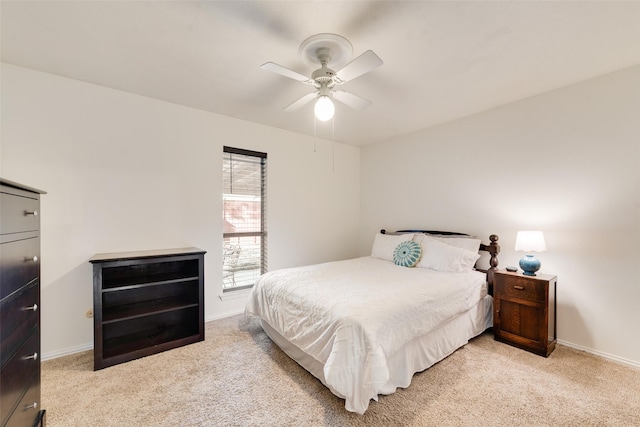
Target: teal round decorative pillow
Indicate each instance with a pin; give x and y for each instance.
(407, 254)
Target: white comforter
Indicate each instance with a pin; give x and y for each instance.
(351, 316)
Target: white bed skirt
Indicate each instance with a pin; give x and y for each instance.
(415, 356)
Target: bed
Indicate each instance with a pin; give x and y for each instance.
(365, 326)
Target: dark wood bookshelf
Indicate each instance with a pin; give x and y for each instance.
(146, 302)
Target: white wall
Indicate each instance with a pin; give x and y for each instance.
(125, 172)
(566, 162)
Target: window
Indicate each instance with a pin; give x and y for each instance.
(243, 213)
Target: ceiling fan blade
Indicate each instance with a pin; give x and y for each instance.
(296, 105)
(283, 71)
(354, 101)
(362, 64)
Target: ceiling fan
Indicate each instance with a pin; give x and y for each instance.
(323, 49)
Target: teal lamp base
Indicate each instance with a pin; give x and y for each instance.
(529, 265)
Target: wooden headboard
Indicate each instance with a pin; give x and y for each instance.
(493, 248)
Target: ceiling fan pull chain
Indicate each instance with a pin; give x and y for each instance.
(333, 128)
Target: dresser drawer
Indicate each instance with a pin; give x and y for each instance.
(520, 287)
(17, 319)
(19, 371)
(27, 412)
(18, 213)
(19, 263)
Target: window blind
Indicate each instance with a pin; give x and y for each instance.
(244, 216)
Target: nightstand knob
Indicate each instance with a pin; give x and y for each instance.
(520, 288)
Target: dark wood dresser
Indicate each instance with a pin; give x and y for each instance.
(20, 306)
(146, 302)
(524, 311)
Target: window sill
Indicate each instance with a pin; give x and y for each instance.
(234, 294)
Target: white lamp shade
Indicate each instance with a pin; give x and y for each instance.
(530, 241)
(324, 108)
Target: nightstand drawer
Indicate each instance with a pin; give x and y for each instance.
(521, 287)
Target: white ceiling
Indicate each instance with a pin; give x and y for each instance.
(442, 59)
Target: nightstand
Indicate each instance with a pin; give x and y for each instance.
(524, 311)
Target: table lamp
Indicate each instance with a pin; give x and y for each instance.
(530, 241)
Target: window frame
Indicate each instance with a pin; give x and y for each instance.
(262, 234)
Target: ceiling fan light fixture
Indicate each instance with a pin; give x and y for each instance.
(324, 108)
(325, 49)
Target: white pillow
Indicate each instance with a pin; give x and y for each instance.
(385, 244)
(468, 243)
(440, 256)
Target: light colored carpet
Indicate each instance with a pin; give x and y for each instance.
(238, 377)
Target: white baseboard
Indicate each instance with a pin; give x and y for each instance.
(66, 351)
(223, 316)
(608, 356)
(77, 349)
